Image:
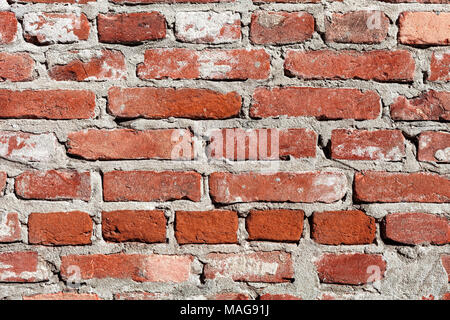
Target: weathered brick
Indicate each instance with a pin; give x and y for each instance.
(140, 186)
(16, 67)
(3, 178)
(206, 227)
(357, 27)
(158, 103)
(50, 28)
(378, 65)
(353, 269)
(229, 296)
(278, 27)
(431, 105)
(261, 144)
(131, 28)
(375, 186)
(9, 227)
(47, 104)
(416, 228)
(53, 185)
(424, 28)
(8, 27)
(279, 187)
(322, 103)
(439, 67)
(20, 267)
(275, 225)
(137, 267)
(208, 27)
(274, 266)
(60, 228)
(131, 144)
(24, 147)
(270, 296)
(213, 64)
(434, 146)
(147, 226)
(385, 145)
(63, 296)
(343, 227)
(87, 65)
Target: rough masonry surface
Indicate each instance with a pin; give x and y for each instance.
(235, 149)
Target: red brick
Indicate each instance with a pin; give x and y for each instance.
(9, 227)
(424, 28)
(131, 28)
(19, 267)
(446, 296)
(47, 104)
(275, 225)
(151, 186)
(206, 227)
(439, 67)
(416, 228)
(159, 103)
(385, 145)
(54, 185)
(229, 296)
(374, 186)
(3, 175)
(103, 65)
(60, 228)
(378, 65)
(270, 296)
(357, 27)
(353, 269)
(343, 227)
(63, 296)
(24, 147)
(208, 27)
(147, 226)
(434, 146)
(279, 187)
(131, 144)
(446, 263)
(16, 67)
(278, 27)
(431, 105)
(8, 27)
(212, 64)
(137, 267)
(261, 144)
(322, 103)
(51, 28)
(274, 266)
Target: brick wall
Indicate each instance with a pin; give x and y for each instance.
(265, 149)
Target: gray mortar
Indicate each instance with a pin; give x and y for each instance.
(412, 271)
